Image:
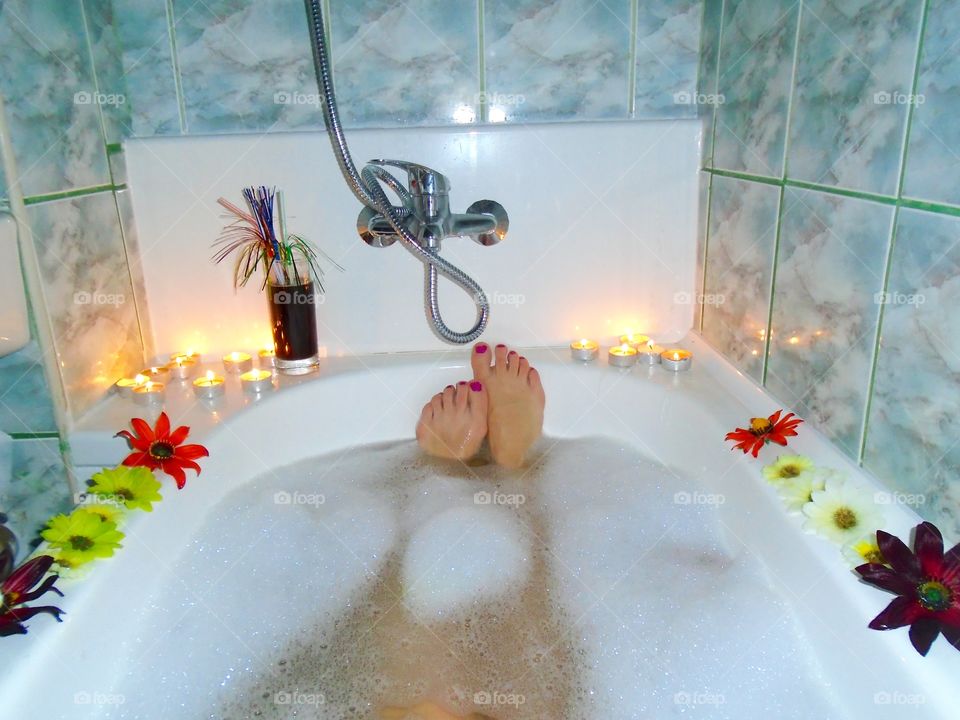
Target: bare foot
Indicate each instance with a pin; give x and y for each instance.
(516, 400)
(426, 711)
(454, 422)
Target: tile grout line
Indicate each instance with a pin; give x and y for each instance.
(632, 60)
(891, 245)
(175, 63)
(781, 206)
(482, 61)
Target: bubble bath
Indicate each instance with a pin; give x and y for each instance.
(589, 586)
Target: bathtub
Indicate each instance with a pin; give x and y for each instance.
(90, 665)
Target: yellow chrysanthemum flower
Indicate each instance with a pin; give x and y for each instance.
(787, 467)
(81, 537)
(134, 487)
(864, 550)
(108, 512)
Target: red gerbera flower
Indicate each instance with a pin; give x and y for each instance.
(17, 589)
(927, 582)
(160, 449)
(764, 430)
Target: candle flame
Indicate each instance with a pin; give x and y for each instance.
(140, 379)
(583, 342)
(210, 375)
(235, 356)
(676, 356)
(149, 386)
(624, 347)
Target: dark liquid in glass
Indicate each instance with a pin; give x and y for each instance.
(293, 317)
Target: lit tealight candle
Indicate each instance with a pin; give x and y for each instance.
(209, 386)
(256, 381)
(190, 354)
(268, 358)
(649, 353)
(182, 367)
(622, 356)
(634, 340)
(583, 349)
(150, 392)
(125, 386)
(676, 359)
(158, 373)
(237, 362)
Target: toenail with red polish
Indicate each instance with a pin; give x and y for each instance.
(462, 382)
(481, 348)
(476, 387)
(500, 346)
(449, 387)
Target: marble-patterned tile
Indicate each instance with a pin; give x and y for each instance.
(756, 64)
(406, 63)
(108, 63)
(86, 285)
(247, 65)
(668, 57)
(131, 241)
(47, 78)
(854, 74)
(914, 419)
(707, 75)
(552, 60)
(933, 155)
(149, 74)
(25, 404)
(33, 487)
(830, 266)
(740, 247)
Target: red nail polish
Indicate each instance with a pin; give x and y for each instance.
(449, 387)
(501, 346)
(476, 386)
(481, 348)
(462, 382)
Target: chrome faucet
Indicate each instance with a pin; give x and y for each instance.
(426, 207)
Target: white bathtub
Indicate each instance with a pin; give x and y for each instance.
(71, 670)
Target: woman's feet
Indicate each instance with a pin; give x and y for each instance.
(515, 402)
(454, 422)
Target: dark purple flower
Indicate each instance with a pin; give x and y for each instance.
(18, 589)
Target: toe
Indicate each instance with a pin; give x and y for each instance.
(448, 396)
(462, 393)
(480, 360)
(513, 363)
(523, 366)
(533, 379)
(500, 355)
(477, 400)
(436, 402)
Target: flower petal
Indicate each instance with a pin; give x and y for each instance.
(928, 546)
(188, 464)
(27, 575)
(162, 427)
(141, 459)
(898, 555)
(886, 579)
(141, 428)
(10, 627)
(179, 435)
(45, 586)
(952, 635)
(901, 611)
(191, 452)
(922, 634)
(176, 472)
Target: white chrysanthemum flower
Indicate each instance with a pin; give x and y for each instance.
(842, 512)
(787, 467)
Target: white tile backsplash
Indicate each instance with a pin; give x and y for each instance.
(602, 233)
